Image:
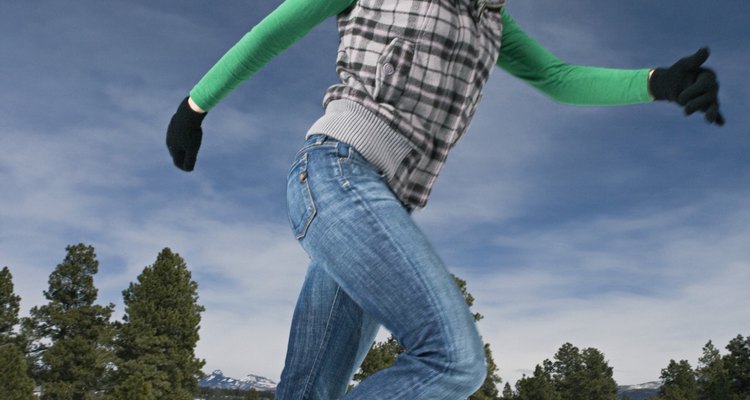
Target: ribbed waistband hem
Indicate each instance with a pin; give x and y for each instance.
(352, 123)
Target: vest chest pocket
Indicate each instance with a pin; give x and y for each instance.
(392, 74)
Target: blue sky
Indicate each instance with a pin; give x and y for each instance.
(621, 228)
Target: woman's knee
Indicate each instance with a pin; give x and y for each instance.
(470, 370)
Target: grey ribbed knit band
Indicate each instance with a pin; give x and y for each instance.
(353, 124)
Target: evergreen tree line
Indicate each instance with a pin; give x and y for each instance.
(717, 376)
(573, 374)
(71, 349)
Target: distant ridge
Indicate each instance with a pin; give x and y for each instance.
(217, 380)
(641, 391)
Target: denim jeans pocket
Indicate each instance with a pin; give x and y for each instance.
(300, 205)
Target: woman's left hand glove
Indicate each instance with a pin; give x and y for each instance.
(690, 85)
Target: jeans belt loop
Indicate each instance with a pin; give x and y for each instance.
(343, 149)
(321, 139)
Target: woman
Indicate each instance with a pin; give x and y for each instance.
(411, 73)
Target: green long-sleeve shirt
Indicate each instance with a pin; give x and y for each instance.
(520, 55)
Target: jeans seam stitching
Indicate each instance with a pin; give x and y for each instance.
(326, 337)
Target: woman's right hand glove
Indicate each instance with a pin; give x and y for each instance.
(690, 85)
(184, 136)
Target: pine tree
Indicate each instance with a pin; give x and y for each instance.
(508, 392)
(597, 376)
(15, 384)
(488, 390)
(539, 386)
(678, 382)
(711, 376)
(568, 372)
(134, 387)
(74, 332)
(382, 355)
(737, 364)
(9, 306)
(160, 331)
(582, 375)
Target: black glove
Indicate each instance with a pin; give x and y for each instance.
(184, 136)
(690, 85)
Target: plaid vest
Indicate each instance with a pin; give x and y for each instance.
(411, 73)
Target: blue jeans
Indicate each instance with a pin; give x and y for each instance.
(370, 265)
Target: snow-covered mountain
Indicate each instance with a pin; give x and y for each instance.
(641, 391)
(217, 380)
(647, 385)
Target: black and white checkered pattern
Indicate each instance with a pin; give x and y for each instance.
(420, 66)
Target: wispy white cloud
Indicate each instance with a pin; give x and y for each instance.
(638, 334)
